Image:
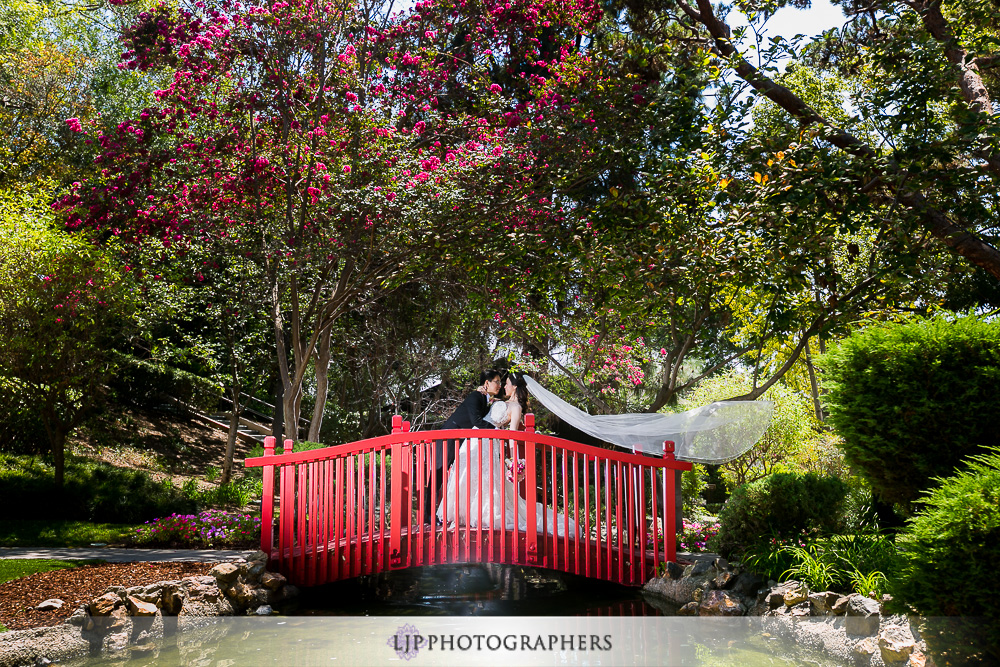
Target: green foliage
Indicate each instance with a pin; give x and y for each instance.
(232, 494)
(855, 562)
(911, 401)
(952, 549)
(144, 383)
(91, 492)
(21, 429)
(693, 482)
(781, 505)
(808, 568)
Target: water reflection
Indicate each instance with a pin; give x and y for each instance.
(672, 641)
(354, 623)
(476, 590)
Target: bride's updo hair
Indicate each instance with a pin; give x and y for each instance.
(520, 388)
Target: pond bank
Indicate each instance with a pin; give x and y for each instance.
(851, 628)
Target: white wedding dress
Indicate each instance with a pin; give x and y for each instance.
(501, 503)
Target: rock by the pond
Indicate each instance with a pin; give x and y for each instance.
(720, 603)
(273, 580)
(863, 616)
(796, 595)
(690, 609)
(104, 605)
(263, 610)
(896, 643)
(852, 629)
(138, 607)
(865, 648)
(50, 605)
(225, 573)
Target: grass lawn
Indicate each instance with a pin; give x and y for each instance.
(40, 533)
(15, 568)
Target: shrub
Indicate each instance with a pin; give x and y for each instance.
(91, 492)
(952, 549)
(780, 505)
(911, 401)
(693, 483)
(211, 528)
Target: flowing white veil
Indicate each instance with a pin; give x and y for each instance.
(714, 433)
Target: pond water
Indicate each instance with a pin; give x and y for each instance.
(476, 590)
(521, 616)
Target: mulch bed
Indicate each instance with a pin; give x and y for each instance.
(76, 586)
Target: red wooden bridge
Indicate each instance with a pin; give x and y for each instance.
(358, 508)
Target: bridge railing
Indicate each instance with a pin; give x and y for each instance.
(363, 507)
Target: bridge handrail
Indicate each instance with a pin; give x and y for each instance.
(386, 441)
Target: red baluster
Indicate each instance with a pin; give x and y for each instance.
(267, 502)
(669, 515)
(530, 494)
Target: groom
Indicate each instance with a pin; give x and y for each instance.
(469, 414)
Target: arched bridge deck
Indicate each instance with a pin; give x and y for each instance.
(358, 508)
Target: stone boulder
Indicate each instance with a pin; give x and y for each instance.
(720, 603)
(863, 616)
(896, 643)
(273, 580)
(50, 605)
(796, 594)
(105, 604)
(225, 573)
(139, 607)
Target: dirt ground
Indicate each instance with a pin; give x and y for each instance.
(163, 443)
(78, 585)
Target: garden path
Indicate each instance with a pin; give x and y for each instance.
(127, 555)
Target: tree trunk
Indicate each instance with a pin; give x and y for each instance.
(234, 429)
(322, 385)
(813, 384)
(56, 433)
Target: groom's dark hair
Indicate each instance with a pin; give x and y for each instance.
(487, 375)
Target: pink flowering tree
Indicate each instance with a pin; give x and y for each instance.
(64, 307)
(344, 150)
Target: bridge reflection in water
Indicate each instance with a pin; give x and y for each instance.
(356, 509)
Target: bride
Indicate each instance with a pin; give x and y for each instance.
(495, 484)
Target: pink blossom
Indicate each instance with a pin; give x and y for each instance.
(74, 124)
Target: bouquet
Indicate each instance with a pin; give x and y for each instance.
(515, 469)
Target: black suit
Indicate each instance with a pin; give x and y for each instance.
(468, 415)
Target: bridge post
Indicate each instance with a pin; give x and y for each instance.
(286, 501)
(530, 492)
(267, 502)
(669, 508)
(399, 495)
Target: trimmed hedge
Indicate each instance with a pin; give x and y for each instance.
(912, 401)
(779, 506)
(952, 550)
